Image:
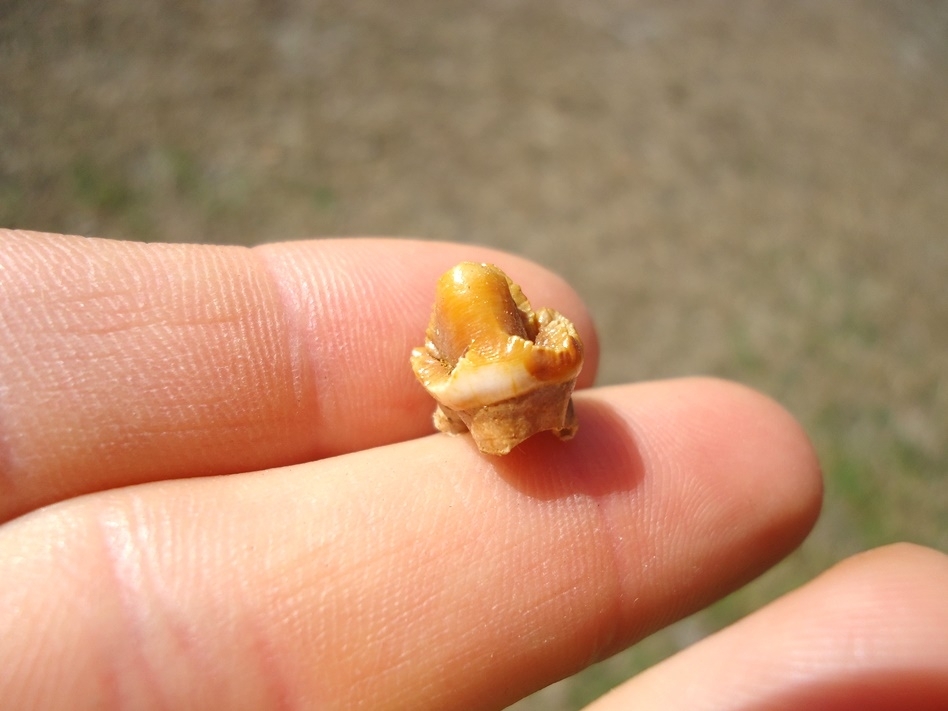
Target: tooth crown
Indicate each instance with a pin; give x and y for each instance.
(496, 367)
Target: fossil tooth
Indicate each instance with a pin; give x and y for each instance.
(494, 366)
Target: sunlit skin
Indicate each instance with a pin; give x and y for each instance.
(219, 488)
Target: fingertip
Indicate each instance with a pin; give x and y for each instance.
(742, 461)
(782, 471)
(894, 587)
(869, 633)
(902, 559)
(787, 476)
(701, 485)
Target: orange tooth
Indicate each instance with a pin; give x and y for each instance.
(496, 367)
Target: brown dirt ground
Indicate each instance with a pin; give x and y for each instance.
(757, 190)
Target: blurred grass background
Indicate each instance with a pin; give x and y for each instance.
(757, 190)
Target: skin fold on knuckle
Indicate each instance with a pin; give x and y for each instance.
(114, 609)
(133, 362)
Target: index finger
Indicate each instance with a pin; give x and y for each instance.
(122, 362)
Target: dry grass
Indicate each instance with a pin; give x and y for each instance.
(755, 190)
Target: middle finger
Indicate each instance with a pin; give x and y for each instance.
(419, 575)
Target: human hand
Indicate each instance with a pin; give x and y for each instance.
(180, 532)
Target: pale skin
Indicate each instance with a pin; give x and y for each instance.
(218, 490)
